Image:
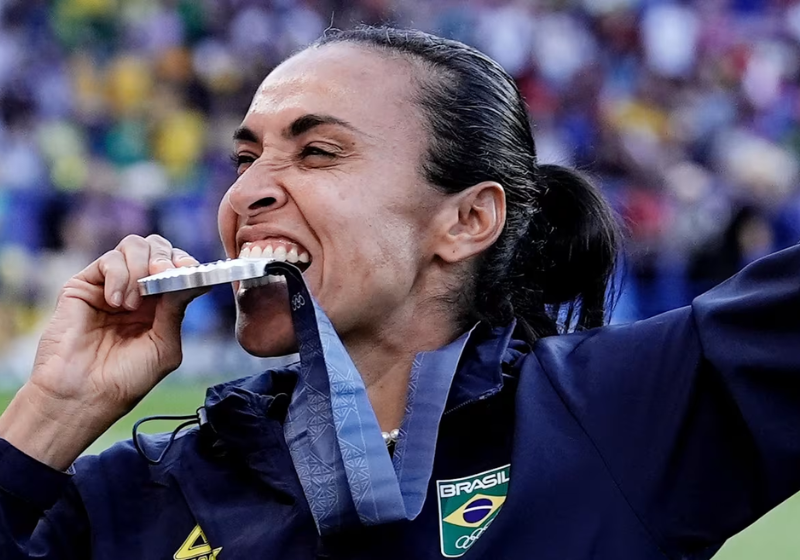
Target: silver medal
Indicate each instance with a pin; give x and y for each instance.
(209, 274)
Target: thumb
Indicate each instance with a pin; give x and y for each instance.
(171, 310)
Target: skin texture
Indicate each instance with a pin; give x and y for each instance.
(364, 213)
(385, 248)
(376, 231)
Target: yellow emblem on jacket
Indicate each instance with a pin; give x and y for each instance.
(196, 547)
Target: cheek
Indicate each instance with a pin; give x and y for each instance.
(389, 255)
(227, 223)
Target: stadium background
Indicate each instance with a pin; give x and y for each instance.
(116, 118)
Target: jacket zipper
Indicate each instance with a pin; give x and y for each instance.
(473, 400)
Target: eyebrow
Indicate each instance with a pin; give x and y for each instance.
(299, 126)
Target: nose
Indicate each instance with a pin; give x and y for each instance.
(256, 191)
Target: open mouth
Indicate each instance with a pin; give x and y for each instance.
(278, 249)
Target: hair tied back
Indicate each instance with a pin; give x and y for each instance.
(579, 254)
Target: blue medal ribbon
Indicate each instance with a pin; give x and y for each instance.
(336, 445)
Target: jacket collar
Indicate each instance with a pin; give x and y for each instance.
(483, 363)
(243, 412)
(480, 373)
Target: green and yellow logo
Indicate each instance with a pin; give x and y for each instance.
(467, 506)
(196, 547)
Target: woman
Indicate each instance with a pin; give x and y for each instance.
(398, 170)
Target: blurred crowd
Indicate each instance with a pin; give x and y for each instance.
(116, 118)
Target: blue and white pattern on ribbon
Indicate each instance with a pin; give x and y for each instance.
(334, 437)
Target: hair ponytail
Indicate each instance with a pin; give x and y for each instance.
(576, 263)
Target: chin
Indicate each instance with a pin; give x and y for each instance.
(264, 325)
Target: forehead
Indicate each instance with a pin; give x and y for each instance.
(364, 87)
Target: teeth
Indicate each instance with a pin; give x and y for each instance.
(263, 281)
(293, 255)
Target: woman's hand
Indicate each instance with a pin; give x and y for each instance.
(104, 349)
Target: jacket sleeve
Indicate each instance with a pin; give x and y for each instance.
(696, 412)
(41, 514)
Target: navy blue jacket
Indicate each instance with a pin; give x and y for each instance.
(657, 439)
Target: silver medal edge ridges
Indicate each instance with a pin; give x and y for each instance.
(208, 274)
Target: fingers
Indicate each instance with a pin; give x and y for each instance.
(135, 257)
(160, 254)
(182, 258)
(138, 253)
(115, 271)
(174, 303)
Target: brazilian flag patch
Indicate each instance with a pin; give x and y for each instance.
(467, 506)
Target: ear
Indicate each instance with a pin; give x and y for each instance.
(473, 220)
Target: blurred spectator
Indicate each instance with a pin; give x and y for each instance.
(116, 117)
(748, 237)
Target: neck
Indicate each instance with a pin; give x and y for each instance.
(384, 360)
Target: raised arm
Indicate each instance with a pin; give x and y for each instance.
(697, 411)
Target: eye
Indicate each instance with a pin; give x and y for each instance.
(238, 160)
(308, 151)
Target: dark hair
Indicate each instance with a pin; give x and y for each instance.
(551, 266)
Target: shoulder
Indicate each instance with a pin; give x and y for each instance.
(613, 366)
(122, 465)
(616, 346)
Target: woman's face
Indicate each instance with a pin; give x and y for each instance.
(329, 157)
